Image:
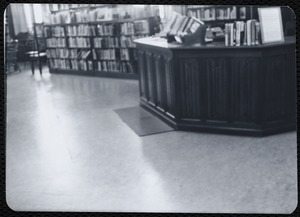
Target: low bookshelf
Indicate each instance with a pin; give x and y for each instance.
(216, 17)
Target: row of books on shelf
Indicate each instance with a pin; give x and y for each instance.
(103, 66)
(73, 42)
(61, 53)
(105, 54)
(113, 54)
(83, 54)
(106, 42)
(85, 15)
(79, 42)
(116, 42)
(242, 33)
(66, 64)
(82, 65)
(54, 31)
(57, 7)
(114, 66)
(65, 17)
(208, 14)
(179, 25)
(56, 42)
(80, 30)
(98, 12)
(67, 53)
(102, 30)
(127, 28)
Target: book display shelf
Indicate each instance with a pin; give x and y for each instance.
(81, 40)
(223, 21)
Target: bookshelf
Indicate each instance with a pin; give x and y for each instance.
(220, 13)
(217, 17)
(11, 48)
(99, 47)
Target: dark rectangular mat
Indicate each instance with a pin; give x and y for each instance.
(142, 122)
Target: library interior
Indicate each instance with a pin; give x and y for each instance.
(150, 108)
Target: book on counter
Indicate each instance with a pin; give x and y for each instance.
(242, 33)
(179, 26)
(189, 26)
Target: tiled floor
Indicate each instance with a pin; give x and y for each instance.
(67, 150)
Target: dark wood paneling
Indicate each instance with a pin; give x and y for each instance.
(190, 88)
(160, 82)
(277, 88)
(143, 76)
(170, 83)
(217, 88)
(151, 78)
(244, 89)
(247, 90)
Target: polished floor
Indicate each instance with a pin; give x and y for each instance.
(67, 150)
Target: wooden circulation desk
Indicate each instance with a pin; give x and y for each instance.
(247, 90)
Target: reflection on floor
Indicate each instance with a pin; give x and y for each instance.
(67, 150)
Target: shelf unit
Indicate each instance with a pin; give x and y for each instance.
(219, 15)
(94, 63)
(67, 7)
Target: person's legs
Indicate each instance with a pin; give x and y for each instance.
(32, 65)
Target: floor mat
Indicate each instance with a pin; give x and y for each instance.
(142, 122)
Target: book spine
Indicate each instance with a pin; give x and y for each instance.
(249, 33)
(257, 32)
(231, 34)
(238, 34)
(253, 34)
(242, 32)
(226, 34)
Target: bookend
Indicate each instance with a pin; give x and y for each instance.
(170, 38)
(196, 37)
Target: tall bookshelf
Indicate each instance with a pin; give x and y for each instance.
(95, 47)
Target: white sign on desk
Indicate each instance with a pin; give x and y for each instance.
(271, 25)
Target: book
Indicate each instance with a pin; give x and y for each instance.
(242, 33)
(238, 33)
(169, 23)
(183, 25)
(192, 26)
(227, 35)
(242, 12)
(253, 34)
(257, 33)
(249, 33)
(177, 25)
(174, 26)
